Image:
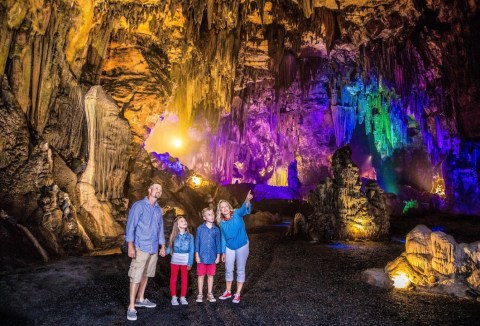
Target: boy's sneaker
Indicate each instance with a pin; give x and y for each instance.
(131, 314)
(236, 298)
(174, 301)
(211, 298)
(225, 295)
(145, 304)
(183, 300)
(199, 298)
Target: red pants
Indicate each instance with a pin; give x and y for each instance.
(173, 279)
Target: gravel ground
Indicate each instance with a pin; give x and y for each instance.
(289, 282)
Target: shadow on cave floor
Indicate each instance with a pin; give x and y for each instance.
(289, 282)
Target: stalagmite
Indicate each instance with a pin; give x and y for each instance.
(342, 210)
(105, 174)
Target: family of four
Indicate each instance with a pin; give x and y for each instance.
(146, 241)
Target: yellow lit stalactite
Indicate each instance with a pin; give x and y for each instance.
(438, 185)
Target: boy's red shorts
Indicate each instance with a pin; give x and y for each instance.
(208, 269)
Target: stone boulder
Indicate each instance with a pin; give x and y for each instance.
(435, 262)
(377, 277)
(260, 219)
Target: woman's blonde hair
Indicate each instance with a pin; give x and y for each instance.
(175, 231)
(219, 213)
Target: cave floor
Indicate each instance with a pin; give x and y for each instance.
(289, 282)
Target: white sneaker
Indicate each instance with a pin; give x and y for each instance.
(225, 295)
(183, 300)
(211, 298)
(199, 298)
(236, 298)
(174, 301)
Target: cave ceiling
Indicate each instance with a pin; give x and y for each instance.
(251, 86)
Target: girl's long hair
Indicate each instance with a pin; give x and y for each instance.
(175, 231)
(219, 213)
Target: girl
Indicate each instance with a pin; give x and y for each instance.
(181, 246)
(234, 243)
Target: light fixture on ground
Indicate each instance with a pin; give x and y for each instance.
(401, 281)
(196, 180)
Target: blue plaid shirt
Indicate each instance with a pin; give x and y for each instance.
(208, 243)
(145, 226)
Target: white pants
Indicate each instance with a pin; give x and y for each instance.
(240, 255)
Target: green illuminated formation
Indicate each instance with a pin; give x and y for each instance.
(409, 204)
(380, 109)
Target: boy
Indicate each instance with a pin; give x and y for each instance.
(207, 253)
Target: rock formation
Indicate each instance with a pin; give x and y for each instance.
(102, 183)
(32, 177)
(435, 261)
(342, 211)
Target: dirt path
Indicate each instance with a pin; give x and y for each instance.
(288, 282)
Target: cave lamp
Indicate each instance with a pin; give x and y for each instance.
(196, 181)
(177, 142)
(400, 281)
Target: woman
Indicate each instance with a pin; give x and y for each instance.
(234, 243)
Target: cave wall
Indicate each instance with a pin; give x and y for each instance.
(254, 87)
(308, 77)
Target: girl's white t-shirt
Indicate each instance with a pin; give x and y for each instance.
(179, 259)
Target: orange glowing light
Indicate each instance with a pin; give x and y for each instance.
(197, 181)
(177, 142)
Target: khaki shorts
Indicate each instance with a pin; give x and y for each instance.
(144, 264)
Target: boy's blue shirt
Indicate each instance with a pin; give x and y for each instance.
(208, 243)
(183, 244)
(233, 232)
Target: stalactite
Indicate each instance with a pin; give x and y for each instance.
(439, 133)
(6, 36)
(112, 146)
(344, 120)
(377, 107)
(108, 146)
(328, 20)
(45, 79)
(287, 71)
(90, 102)
(210, 12)
(307, 8)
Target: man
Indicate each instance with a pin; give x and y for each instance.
(144, 235)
